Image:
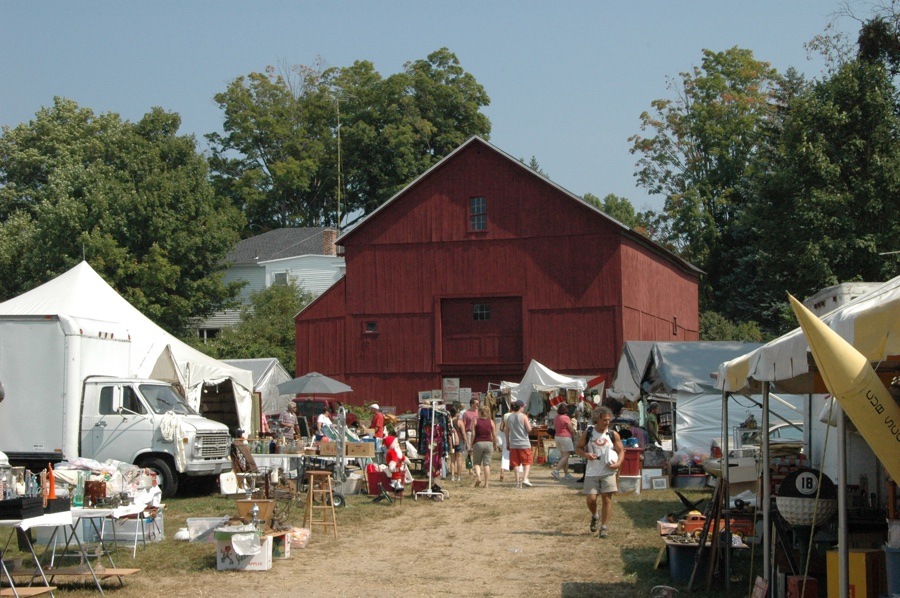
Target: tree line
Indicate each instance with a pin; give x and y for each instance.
(772, 182)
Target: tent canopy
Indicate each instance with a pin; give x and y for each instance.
(627, 382)
(540, 377)
(267, 374)
(82, 294)
(871, 323)
(682, 373)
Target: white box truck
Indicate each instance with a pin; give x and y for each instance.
(69, 394)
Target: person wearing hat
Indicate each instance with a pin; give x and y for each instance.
(377, 420)
(653, 423)
(517, 430)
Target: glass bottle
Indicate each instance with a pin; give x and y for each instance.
(78, 494)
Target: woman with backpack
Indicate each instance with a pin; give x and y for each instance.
(603, 453)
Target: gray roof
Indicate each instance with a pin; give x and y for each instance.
(277, 244)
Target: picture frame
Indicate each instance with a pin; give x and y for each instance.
(648, 473)
(659, 483)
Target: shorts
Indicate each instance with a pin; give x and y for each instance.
(460, 448)
(605, 484)
(520, 456)
(483, 452)
(564, 443)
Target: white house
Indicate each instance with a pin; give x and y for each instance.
(306, 256)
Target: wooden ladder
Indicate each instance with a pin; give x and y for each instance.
(319, 499)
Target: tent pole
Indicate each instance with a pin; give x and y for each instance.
(843, 556)
(723, 476)
(767, 487)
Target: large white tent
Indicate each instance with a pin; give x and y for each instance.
(81, 293)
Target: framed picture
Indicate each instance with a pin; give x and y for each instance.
(647, 474)
(659, 482)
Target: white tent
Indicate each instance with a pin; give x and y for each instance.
(82, 293)
(267, 373)
(871, 323)
(540, 377)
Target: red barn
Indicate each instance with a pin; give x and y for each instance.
(478, 266)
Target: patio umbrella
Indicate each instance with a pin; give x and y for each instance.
(313, 383)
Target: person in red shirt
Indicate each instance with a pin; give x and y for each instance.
(377, 420)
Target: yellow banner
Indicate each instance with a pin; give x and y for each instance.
(850, 378)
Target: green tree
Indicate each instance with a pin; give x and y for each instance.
(278, 156)
(131, 198)
(826, 209)
(716, 327)
(266, 328)
(696, 149)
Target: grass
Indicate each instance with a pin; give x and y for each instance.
(627, 570)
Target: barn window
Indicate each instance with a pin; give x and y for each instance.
(370, 327)
(477, 214)
(481, 312)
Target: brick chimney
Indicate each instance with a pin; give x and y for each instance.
(328, 237)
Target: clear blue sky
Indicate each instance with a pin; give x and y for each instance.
(568, 80)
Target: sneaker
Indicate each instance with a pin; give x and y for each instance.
(555, 474)
(594, 521)
(569, 476)
(518, 484)
(526, 483)
(604, 531)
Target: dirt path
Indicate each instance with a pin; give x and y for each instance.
(499, 541)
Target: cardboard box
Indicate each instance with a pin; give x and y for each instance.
(281, 546)
(868, 575)
(360, 449)
(228, 560)
(328, 449)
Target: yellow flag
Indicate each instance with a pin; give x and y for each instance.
(861, 394)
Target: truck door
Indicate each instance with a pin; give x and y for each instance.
(115, 425)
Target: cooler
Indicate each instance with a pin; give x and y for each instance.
(632, 464)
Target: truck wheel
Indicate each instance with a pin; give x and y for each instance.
(165, 477)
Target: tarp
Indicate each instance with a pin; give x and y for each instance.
(626, 384)
(682, 373)
(540, 377)
(155, 354)
(871, 323)
(267, 374)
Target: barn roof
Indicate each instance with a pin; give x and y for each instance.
(277, 244)
(626, 231)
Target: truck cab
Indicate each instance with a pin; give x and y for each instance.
(148, 423)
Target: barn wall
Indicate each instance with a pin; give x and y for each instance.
(583, 284)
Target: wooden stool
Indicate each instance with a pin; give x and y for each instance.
(319, 498)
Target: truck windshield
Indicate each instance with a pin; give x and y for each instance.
(163, 399)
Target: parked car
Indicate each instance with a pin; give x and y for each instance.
(783, 436)
(310, 408)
